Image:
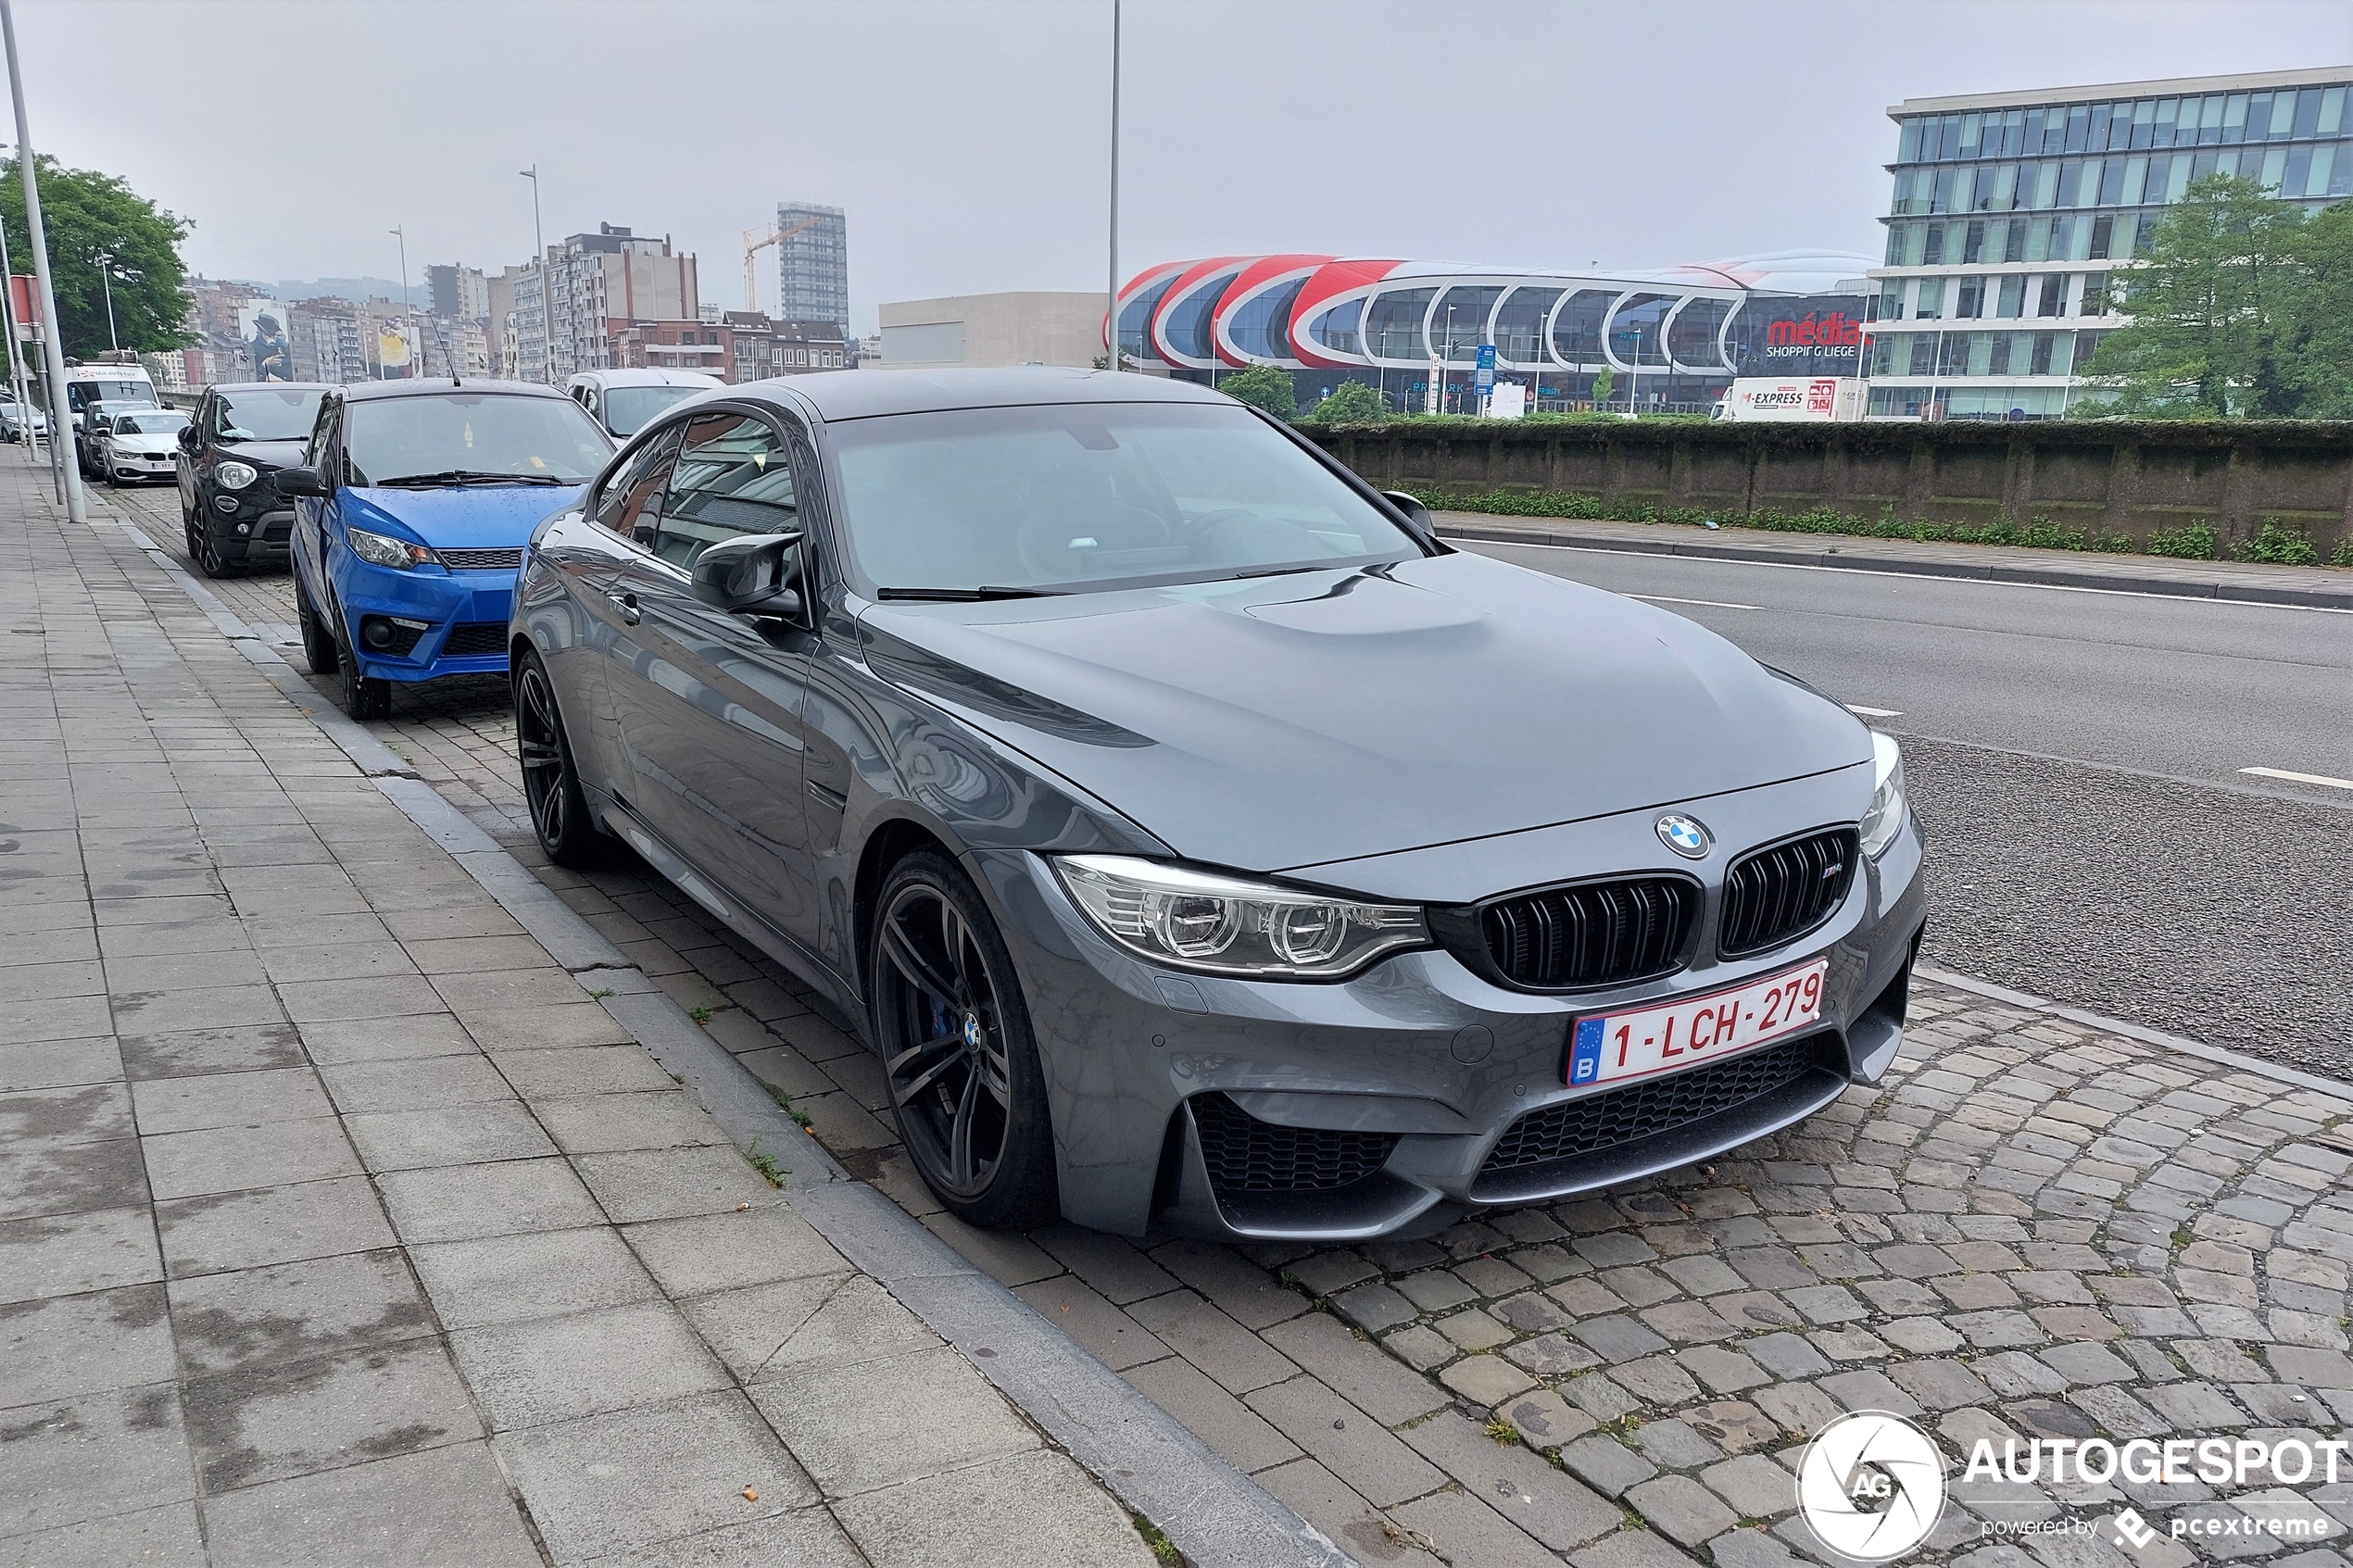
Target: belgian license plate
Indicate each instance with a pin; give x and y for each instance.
(1690, 1031)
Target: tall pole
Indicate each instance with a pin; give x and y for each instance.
(105, 285)
(1111, 317)
(405, 308)
(53, 354)
(16, 387)
(540, 264)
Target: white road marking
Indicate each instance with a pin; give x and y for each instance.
(1913, 576)
(2299, 778)
(1876, 712)
(1670, 600)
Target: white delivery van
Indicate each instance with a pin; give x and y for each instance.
(86, 385)
(622, 401)
(1820, 399)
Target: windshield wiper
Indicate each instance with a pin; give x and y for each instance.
(966, 595)
(472, 476)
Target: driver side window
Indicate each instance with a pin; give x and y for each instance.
(733, 479)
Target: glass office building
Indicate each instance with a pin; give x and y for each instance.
(2012, 212)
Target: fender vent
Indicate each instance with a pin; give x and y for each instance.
(1246, 1155)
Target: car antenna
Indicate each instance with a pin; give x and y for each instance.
(442, 337)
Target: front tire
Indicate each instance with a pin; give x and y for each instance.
(364, 696)
(957, 1055)
(550, 779)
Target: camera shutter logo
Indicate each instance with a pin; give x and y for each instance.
(1871, 1485)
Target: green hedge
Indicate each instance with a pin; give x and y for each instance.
(2217, 436)
(2040, 533)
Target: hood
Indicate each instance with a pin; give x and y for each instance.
(266, 455)
(1324, 716)
(147, 443)
(481, 516)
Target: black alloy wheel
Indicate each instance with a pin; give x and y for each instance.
(364, 696)
(209, 560)
(318, 647)
(551, 781)
(957, 1050)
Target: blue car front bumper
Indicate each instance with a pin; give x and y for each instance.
(429, 621)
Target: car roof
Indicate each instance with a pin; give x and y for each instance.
(648, 378)
(857, 394)
(269, 386)
(369, 391)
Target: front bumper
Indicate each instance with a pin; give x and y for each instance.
(441, 622)
(1431, 1061)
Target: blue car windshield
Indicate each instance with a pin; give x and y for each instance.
(482, 437)
(1094, 495)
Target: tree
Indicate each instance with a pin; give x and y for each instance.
(1350, 403)
(2321, 355)
(1603, 385)
(89, 215)
(2213, 321)
(1263, 386)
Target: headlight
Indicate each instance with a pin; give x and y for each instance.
(1886, 815)
(1199, 919)
(383, 549)
(234, 476)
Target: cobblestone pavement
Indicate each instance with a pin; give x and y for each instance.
(340, 1225)
(2034, 1228)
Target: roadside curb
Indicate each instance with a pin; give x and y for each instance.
(2222, 1056)
(1153, 1463)
(1845, 559)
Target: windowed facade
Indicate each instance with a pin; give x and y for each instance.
(2020, 207)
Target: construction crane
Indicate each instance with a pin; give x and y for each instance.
(754, 243)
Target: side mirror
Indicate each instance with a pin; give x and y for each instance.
(1411, 507)
(747, 576)
(188, 438)
(299, 482)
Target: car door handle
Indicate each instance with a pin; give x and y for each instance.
(628, 603)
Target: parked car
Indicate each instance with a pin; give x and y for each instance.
(230, 454)
(622, 401)
(413, 504)
(93, 422)
(1202, 845)
(107, 383)
(15, 417)
(140, 445)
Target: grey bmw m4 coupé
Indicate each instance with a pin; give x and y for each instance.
(1200, 843)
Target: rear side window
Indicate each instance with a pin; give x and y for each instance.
(732, 479)
(631, 497)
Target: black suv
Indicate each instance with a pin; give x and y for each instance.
(243, 433)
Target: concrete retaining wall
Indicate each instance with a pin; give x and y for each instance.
(2135, 477)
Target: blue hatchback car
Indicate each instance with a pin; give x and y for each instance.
(412, 513)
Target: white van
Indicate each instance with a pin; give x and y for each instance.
(622, 401)
(86, 385)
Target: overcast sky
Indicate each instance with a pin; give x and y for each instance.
(967, 138)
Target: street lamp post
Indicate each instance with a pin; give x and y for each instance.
(106, 286)
(53, 354)
(405, 308)
(539, 264)
(1111, 317)
(1446, 360)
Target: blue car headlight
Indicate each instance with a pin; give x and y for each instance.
(383, 549)
(1202, 920)
(1879, 823)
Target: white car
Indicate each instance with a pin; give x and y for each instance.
(623, 400)
(142, 444)
(15, 416)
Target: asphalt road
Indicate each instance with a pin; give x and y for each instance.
(2076, 758)
(2075, 755)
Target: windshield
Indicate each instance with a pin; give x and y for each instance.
(260, 415)
(165, 424)
(628, 408)
(489, 435)
(1092, 495)
(80, 394)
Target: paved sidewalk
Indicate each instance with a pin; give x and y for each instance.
(2317, 587)
(2041, 1226)
(340, 1225)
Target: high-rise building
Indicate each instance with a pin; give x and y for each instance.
(812, 264)
(600, 282)
(458, 291)
(2013, 213)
